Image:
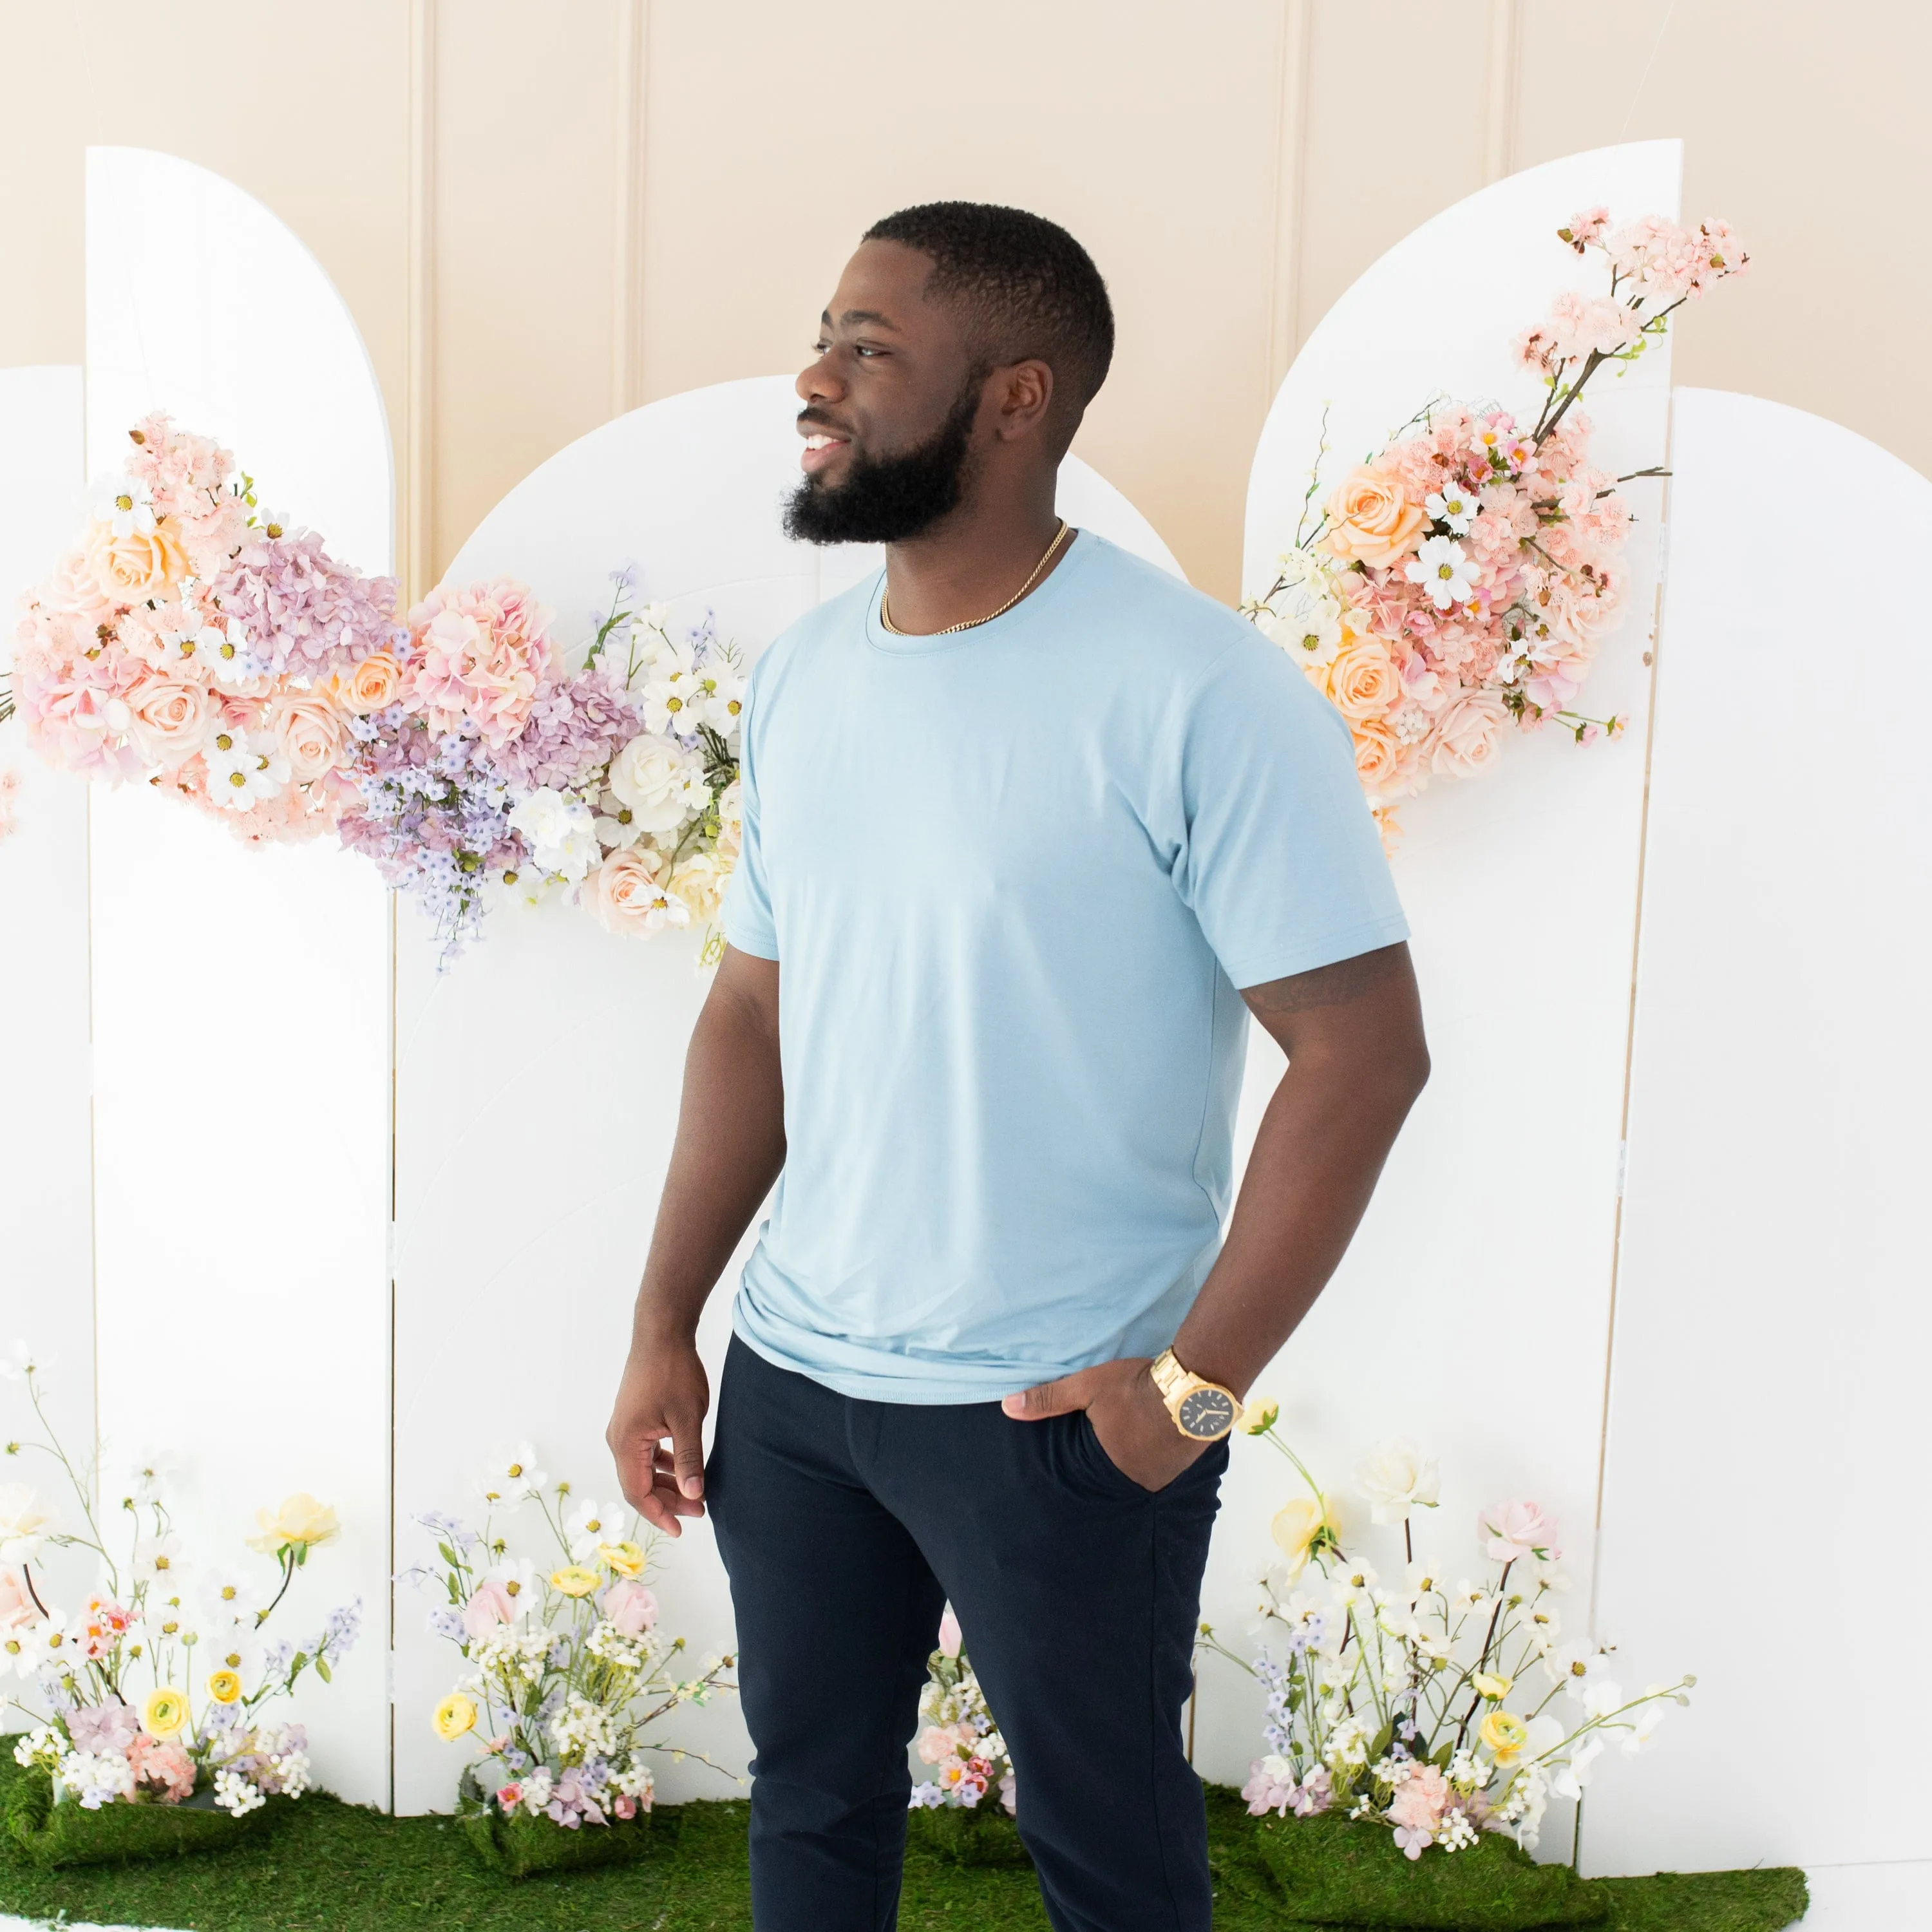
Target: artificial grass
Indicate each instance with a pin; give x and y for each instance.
(327, 1867)
(35, 1830)
(1330, 1871)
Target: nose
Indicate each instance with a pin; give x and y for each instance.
(818, 382)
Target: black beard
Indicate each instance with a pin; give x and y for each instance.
(888, 498)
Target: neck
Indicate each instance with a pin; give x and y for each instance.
(972, 560)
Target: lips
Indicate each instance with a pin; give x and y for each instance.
(821, 447)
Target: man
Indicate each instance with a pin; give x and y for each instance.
(1020, 817)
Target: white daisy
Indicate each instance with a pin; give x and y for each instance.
(159, 1559)
(590, 1523)
(1443, 570)
(245, 768)
(1454, 505)
(126, 503)
(512, 1478)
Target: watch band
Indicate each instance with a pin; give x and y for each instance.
(1203, 1411)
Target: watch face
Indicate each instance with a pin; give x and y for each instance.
(1206, 1413)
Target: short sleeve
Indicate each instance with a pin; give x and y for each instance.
(1282, 862)
(748, 921)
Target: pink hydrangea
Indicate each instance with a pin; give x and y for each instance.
(1416, 1810)
(478, 654)
(163, 1766)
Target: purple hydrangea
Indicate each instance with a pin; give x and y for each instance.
(304, 613)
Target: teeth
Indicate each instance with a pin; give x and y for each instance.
(820, 442)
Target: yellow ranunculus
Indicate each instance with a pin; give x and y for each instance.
(1259, 1415)
(224, 1686)
(454, 1715)
(626, 1558)
(301, 1524)
(1505, 1735)
(1492, 1685)
(1300, 1527)
(574, 1580)
(164, 1712)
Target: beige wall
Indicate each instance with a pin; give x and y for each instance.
(540, 215)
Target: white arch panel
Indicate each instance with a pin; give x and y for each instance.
(1764, 1511)
(1472, 1311)
(242, 997)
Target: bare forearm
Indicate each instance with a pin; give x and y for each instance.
(729, 1149)
(1321, 1147)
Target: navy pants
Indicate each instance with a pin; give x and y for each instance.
(845, 1526)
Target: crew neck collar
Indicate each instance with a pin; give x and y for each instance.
(1041, 598)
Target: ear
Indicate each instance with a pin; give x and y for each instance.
(1023, 394)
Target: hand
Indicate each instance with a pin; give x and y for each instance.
(1128, 1415)
(664, 1393)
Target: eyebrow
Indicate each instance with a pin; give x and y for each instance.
(853, 318)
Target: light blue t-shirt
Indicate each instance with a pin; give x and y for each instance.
(1014, 877)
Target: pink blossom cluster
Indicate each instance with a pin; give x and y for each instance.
(1425, 1806)
(189, 642)
(1459, 583)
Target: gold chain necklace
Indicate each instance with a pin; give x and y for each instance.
(973, 623)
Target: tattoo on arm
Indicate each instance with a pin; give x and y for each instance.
(1334, 986)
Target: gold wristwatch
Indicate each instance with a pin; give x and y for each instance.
(1204, 1411)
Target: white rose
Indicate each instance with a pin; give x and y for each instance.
(653, 776)
(25, 1522)
(559, 830)
(1399, 1478)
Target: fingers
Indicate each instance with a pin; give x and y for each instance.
(687, 1442)
(1054, 1398)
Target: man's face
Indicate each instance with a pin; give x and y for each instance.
(889, 407)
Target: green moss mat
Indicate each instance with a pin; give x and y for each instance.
(329, 1868)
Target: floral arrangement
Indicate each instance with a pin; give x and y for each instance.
(960, 1741)
(567, 1671)
(1456, 585)
(195, 643)
(1440, 1709)
(154, 1692)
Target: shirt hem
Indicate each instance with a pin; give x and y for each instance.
(1349, 943)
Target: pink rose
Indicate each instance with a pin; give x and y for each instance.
(630, 1607)
(625, 1805)
(169, 718)
(1518, 1529)
(308, 728)
(141, 564)
(625, 896)
(489, 1605)
(1468, 735)
(17, 1606)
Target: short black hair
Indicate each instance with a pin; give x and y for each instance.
(1026, 287)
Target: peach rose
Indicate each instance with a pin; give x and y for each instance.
(624, 890)
(309, 729)
(1363, 681)
(137, 565)
(169, 718)
(1370, 520)
(699, 881)
(373, 685)
(1468, 735)
(1378, 753)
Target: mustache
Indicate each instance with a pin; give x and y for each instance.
(820, 420)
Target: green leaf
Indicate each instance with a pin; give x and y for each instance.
(323, 1671)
